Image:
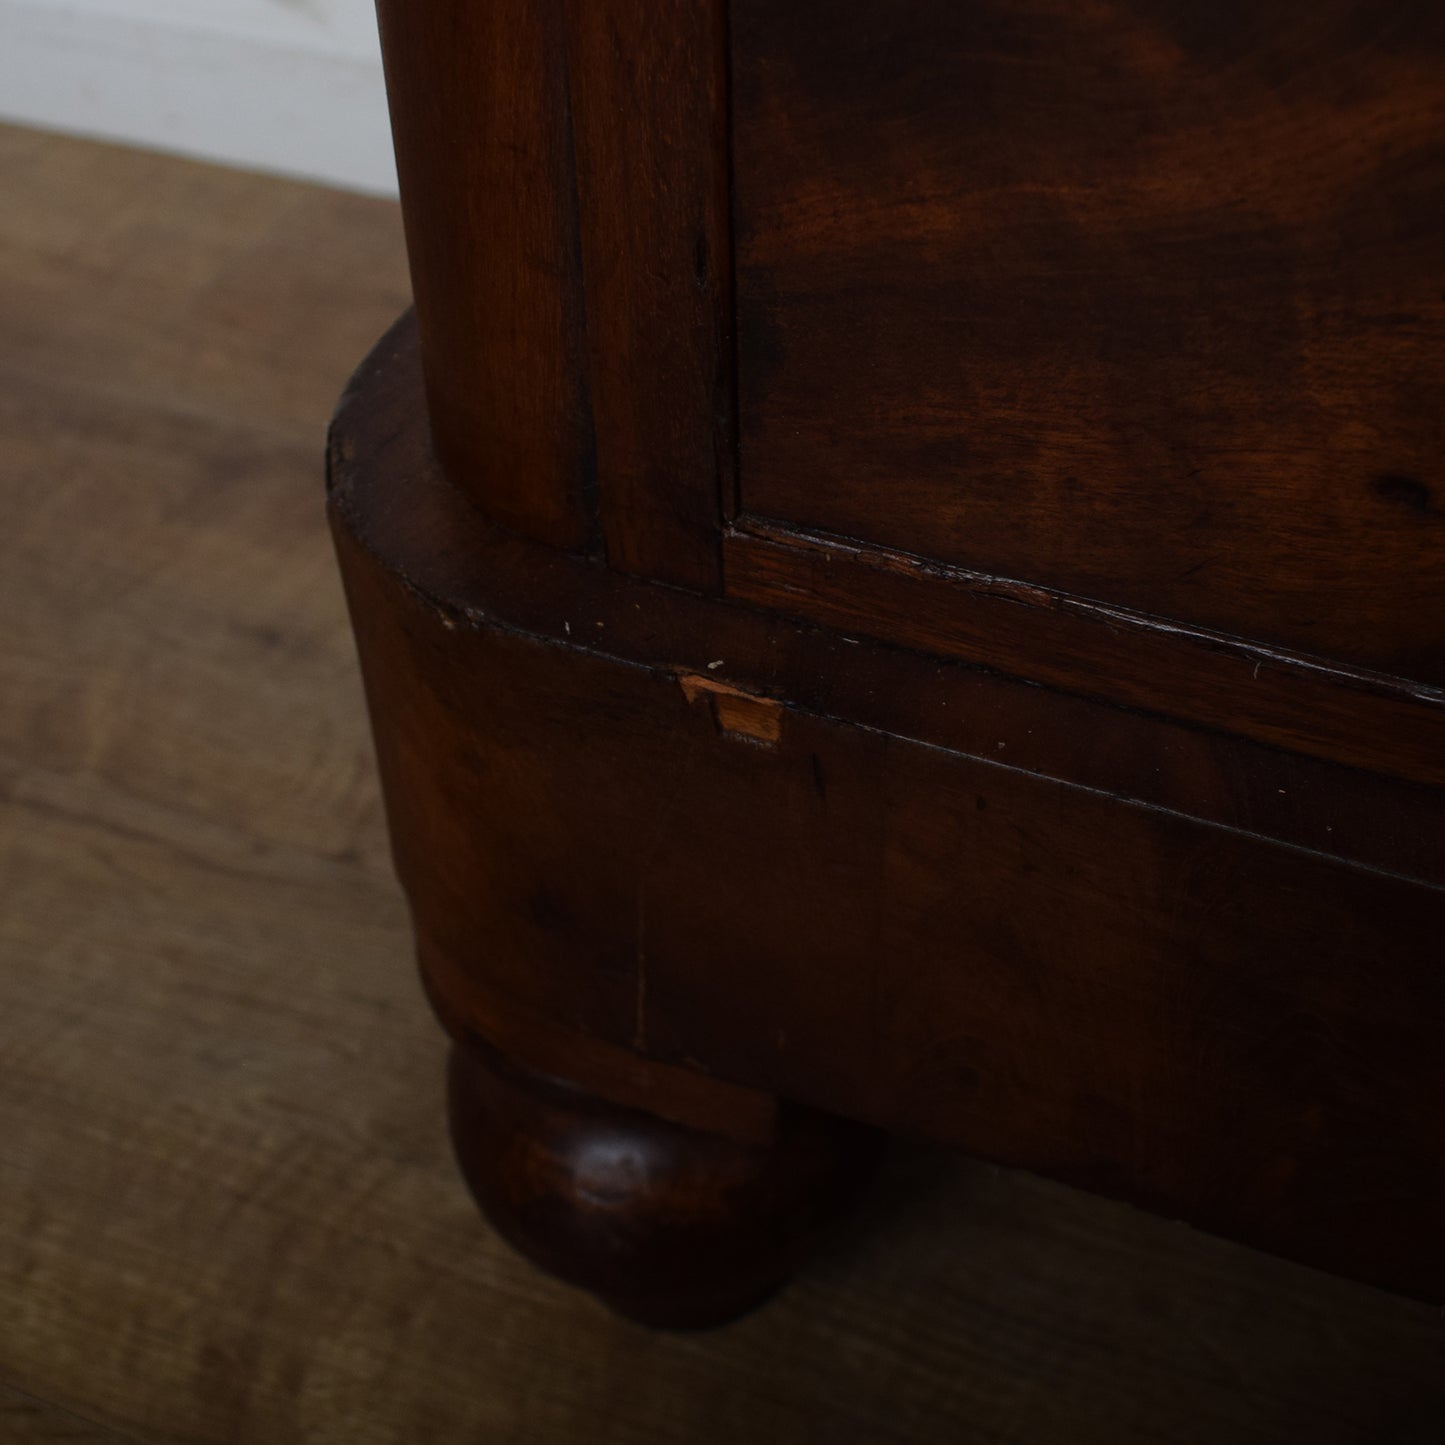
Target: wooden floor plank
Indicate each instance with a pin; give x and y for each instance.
(27, 1421)
(227, 1210)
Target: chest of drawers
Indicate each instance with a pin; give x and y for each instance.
(900, 571)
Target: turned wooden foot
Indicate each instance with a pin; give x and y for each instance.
(668, 1225)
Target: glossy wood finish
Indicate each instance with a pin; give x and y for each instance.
(491, 216)
(1219, 776)
(670, 1226)
(1227, 1028)
(563, 169)
(1283, 699)
(997, 692)
(1142, 303)
(576, 331)
(649, 116)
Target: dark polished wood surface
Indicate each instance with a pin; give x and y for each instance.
(1142, 303)
(564, 175)
(514, 418)
(916, 586)
(1231, 1029)
(674, 1227)
(1216, 775)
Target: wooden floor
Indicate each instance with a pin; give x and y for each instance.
(227, 1211)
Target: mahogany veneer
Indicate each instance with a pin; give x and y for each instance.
(898, 568)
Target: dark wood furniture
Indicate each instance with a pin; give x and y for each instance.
(899, 573)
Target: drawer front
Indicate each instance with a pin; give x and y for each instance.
(1142, 302)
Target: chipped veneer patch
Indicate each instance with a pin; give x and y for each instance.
(739, 714)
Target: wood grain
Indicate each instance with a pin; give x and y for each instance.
(1231, 1031)
(1341, 714)
(563, 170)
(1142, 302)
(27, 1421)
(1370, 818)
(649, 111)
(492, 231)
(227, 1212)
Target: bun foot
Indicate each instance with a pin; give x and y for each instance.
(670, 1226)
